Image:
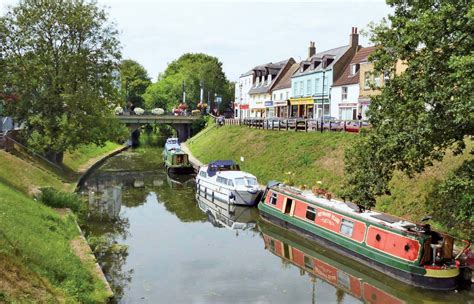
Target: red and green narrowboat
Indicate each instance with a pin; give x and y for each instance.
(409, 252)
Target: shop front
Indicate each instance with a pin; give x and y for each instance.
(348, 111)
(269, 109)
(321, 105)
(281, 108)
(302, 107)
(364, 104)
(258, 109)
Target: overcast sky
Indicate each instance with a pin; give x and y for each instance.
(242, 34)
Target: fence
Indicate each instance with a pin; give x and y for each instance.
(300, 124)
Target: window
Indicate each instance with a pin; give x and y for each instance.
(222, 180)
(347, 227)
(308, 263)
(274, 96)
(295, 88)
(378, 81)
(386, 78)
(273, 198)
(316, 86)
(344, 93)
(230, 183)
(272, 245)
(354, 69)
(310, 213)
(308, 87)
(301, 88)
(245, 181)
(367, 80)
(281, 96)
(287, 93)
(203, 173)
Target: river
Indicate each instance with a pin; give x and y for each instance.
(155, 245)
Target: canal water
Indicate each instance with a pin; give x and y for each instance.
(156, 245)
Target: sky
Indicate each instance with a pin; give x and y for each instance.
(242, 34)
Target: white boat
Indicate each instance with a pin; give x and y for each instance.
(223, 181)
(172, 144)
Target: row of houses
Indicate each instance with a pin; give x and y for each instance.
(334, 83)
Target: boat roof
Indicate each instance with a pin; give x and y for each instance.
(222, 163)
(234, 174)
(350, 208)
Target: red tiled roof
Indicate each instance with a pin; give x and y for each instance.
(346, 77)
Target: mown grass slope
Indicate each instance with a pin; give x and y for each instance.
(37, 263)
(87, 154)
(315, 156)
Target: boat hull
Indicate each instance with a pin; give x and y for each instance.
(415, 279)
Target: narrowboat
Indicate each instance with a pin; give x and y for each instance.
(223, 181)
(344, 274)
(233, 217)
(174, 159)
(412, 253)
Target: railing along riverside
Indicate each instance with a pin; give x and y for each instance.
(304, 124)
(32, 152)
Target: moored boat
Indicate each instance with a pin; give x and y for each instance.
(174, 159)
(223, 181)
(409, 252)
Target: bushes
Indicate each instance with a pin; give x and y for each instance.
(57, 199)
(453, 201)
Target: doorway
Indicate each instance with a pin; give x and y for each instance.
(288, 205)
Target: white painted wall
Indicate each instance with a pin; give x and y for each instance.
(242, 93)
(336, 98)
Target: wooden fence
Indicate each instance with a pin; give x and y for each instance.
(300, 124)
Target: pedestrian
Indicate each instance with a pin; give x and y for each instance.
(359, 116)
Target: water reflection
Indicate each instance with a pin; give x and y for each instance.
(233, 217)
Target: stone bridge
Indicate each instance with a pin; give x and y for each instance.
(182, 124)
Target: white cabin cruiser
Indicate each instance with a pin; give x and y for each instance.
(172, 144)
(223, 181)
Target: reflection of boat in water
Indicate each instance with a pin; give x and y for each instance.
(223, 181)
(175, 160)
(411, 253)
(351, 277)
(178, 181)
(230, 216)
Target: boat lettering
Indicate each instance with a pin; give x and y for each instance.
(329, 218)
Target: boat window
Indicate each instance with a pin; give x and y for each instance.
(273, 199)
(246, 181)
(308, 263)
(272, 245)
(222, 180)
(203, 173)
(310, 213)
(230, 183)
(347, 227)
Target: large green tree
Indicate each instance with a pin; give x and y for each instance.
(193, 70)
(428, 109)
(61, 58)
(133, 82)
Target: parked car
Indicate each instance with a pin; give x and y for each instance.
(355, 126)
(271, 123)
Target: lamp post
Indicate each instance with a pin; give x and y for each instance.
(322, 104)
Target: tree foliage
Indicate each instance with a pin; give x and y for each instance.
(192, 69)
(426, 110)
(133, 82)
(61, 59)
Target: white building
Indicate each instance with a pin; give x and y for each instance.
(345, 90)
(265, 77)
(281, 94)
(242, 97)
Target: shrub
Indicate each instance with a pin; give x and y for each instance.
(57, 199)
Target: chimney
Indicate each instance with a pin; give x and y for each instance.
(311, 49)
(354, 38)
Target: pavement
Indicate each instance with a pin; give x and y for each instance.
(196, 163)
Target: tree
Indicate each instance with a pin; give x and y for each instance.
(61, 60)
(133, 82)
(425, 111)
(193, 70)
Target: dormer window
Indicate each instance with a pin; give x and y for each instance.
(354, 68)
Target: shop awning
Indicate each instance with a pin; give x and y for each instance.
(301, 101)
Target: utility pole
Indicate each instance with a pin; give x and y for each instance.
(184, 93)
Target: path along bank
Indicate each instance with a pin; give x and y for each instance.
(43, 256)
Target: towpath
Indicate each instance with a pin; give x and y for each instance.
(193, 160)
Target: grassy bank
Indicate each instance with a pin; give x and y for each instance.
(37, 263)
(312, 157)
